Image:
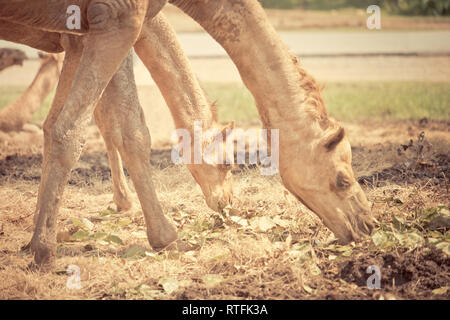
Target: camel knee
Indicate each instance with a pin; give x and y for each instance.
(102, 16)
(66, 144)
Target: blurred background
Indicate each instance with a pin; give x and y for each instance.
(401, 72)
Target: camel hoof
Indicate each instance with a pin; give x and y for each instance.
(123, 204)
(177, 245)
(124, 207)
(44, 256)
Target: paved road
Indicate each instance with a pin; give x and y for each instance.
(338, 43)
(323, 54)
(330, 43)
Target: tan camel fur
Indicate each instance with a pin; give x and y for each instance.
(315, 160)
(11, 57)
(18, 113)
(315, 155)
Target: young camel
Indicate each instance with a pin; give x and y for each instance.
(315, 162)
(18, 113)
(169, 67)
(127, 133)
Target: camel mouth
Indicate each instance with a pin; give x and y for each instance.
(356, 228)
(218, 204)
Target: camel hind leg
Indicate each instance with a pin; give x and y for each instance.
(122, 195)
(120, 118)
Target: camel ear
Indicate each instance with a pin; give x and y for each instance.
(333, 139)
(226, 131)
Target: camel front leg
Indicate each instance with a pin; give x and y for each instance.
(105, 47)
(120, 117)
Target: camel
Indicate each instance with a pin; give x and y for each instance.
(18, 113)
(214, 180)
(11, 57)
(315, 157)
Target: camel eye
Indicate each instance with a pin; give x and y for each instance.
(342, 181)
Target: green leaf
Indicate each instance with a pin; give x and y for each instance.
(212, 280)
(301, 251)
(444, 246)
(98, 235)
(150, 293)
(262, 224)
(78, 223)
(412, 240)
(308, 289)
(108, 212)
(115, 239)
(134, 252)
(139, 234)
(88, 224)
(380, 239)
(315, 270)
(80, 235)
(399, 223)
(282, 223)
(169, 285)
(441, 291)
(240, 221)
(124, 222)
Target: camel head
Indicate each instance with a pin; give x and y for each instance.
(213, 174)
(320, 175)
(11, 57)
(216, 184)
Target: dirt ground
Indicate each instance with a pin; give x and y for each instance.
(403, 172)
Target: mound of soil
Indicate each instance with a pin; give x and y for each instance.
(434, 171)
(91, 167)
(418, 162)
(406, 274)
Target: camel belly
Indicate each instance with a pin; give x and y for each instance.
(63, 16)
(47, 15)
